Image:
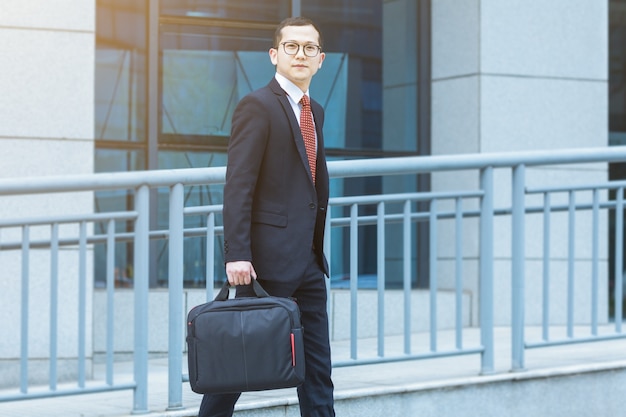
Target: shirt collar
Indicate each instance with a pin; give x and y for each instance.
(290, 88)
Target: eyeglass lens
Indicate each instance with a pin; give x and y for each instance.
(292, 48)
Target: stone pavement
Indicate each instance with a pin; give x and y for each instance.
(352, 381)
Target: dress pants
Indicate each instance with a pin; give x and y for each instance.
(316, 393)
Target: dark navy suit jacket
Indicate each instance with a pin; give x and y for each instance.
(273, 213)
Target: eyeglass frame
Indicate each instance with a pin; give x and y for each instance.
(318, 48)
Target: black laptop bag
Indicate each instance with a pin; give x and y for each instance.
(245, 344)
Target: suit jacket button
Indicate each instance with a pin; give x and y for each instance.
(311, 206)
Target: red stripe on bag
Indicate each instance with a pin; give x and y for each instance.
(293, 350)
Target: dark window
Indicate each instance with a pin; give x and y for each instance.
(617, 121)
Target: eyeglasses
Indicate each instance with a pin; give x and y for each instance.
(292, 48)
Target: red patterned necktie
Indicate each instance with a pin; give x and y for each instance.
(308, 132)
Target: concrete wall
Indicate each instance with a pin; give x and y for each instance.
(46, 128)
(522, 75)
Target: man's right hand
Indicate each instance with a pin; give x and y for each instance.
(240, 272)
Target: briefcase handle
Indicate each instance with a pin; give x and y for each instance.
(258, 290)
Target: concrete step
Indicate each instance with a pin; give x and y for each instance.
(572, 391)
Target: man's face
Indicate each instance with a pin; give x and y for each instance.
(298, 68)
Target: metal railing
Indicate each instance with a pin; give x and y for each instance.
(454, 205)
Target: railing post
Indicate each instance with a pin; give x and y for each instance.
(486, 271)
(24, 311)
(594, 261)
(380, 275)
(327, 252)
(141, 284)
(619, 254)
(82, 305)
(458, 271)
(406, 274)
(571, 257)
(175, 285)
(54, 304)
(432, 267)
(110, 279)
(354, 277)
(546, 268)
(210, 256)
(517, 267)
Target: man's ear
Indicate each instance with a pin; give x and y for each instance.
(322, 56)
(273, 56)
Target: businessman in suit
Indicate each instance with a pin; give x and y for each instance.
(275, 202)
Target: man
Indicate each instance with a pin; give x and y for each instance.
(275, 202)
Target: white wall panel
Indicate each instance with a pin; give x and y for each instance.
(47, 84)
(49, 14)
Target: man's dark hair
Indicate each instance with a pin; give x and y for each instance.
(296, 21)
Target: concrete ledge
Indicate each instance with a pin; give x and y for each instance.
(579, 390)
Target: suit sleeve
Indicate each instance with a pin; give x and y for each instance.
(249, 135)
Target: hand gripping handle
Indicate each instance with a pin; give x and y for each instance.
(258, 290)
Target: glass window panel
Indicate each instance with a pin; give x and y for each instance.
(120, 95)
(119, 160)
(201, 87)
(174, 160)
(259, 10)
(200, 91)
(617, 71)
(206, 71)
(354, 31)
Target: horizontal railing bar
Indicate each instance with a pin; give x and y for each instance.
(446, 215)
(420, 164)
(557, 208)
(201, 231)
(215, 208)
(400, 358)
(101, 238)
(70, 391)
(606, 185)
(369, 220)
(93, 217)
(387, 198)
(391, 218)
(574, 340)
(197, 210)
(44, 244)
(336, 169)
(112, 181)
